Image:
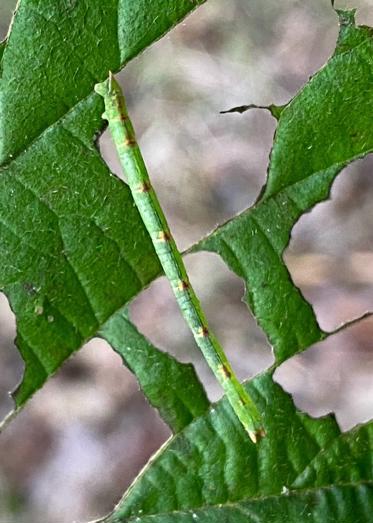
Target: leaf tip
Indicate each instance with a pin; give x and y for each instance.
(346, 17)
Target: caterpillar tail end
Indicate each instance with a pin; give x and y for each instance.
(250, 417)
(252, 421)
(256, 435)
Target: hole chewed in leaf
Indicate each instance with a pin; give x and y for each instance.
(330, 260)
(330, 254)
(334, 375)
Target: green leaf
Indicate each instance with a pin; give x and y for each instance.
(303, 470)
(170, 386)
(73, 247)
(325, 127)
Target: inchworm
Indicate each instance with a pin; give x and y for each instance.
(146, 200)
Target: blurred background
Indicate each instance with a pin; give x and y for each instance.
(81, 441)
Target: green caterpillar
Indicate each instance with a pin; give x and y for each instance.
(123, 135)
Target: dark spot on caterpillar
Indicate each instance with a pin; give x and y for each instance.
(130, 142)
(146, 187)
(118, 118)
(242, 401)
(227, 373)
(203, 331)
(164, 236)
(183, 285)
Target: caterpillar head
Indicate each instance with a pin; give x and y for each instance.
(109, 87)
